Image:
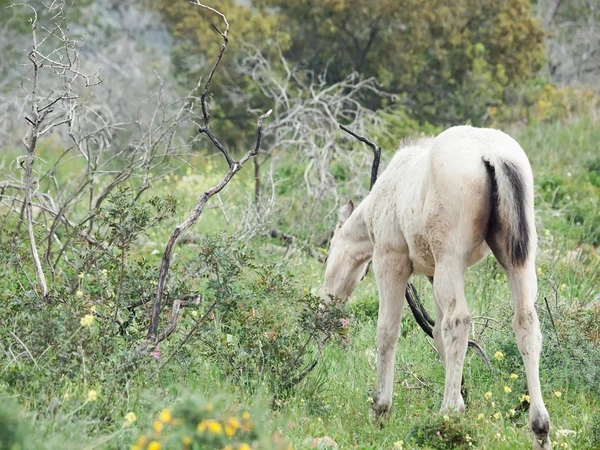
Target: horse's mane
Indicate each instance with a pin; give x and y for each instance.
(415, 141)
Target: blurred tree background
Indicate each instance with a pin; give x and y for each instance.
(441, 63)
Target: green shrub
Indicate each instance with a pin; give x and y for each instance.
(12, 432)
(217, 424)
(447, 432)
(268, 329)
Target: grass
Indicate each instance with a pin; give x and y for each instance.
(335, 399)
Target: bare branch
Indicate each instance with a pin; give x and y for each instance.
(196, 212)
(234, 167)
(376, 153)
(205, 114)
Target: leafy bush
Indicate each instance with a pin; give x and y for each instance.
(448, 432)
(12, 433)
(209, 425)
(365, 308)
(268, 329)
(536, 100)
(451, 61)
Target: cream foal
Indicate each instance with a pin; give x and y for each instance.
(440, 206)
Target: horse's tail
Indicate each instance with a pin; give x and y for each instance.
(512, 204)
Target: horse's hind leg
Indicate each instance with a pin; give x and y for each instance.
(523, 286)
(453, 328)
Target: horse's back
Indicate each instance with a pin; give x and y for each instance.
(441, 190)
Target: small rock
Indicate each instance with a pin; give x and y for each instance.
(322, 442)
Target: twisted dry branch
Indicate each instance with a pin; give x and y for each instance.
(234, 167)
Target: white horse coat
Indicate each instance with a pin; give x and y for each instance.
(440, 206)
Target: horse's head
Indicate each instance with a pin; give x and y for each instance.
(351, 249)
(349, 255)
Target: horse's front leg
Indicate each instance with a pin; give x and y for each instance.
(392, 270)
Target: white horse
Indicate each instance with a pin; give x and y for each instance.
(440, 206)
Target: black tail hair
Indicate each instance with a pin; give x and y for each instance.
(513, 222)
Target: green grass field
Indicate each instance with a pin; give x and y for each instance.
(58, 411)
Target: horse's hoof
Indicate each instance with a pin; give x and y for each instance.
(453, 409)
(542, 443)
(540, 425)
(380, 413)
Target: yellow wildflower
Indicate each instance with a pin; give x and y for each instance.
(154, 445)
(512, 412)
(130, 417)
(202, 426)
(507, 389)
(446, 417)
(497, 415)
(215, 427)
(488, 395)
(86, 320)
(165, 415)
(558, 393)
(246, 415)
(229, 430)
(399, 444)
(142, 441)
(81, 275)
(79, 294)
(480, 416)
(158, 426)
(525, 398)
(319, 419)
(234, 422)
(514, 376)
(136, 447)
(92, 395)
(244, 446)
(498, 355)
(208, 407)
(186, 440)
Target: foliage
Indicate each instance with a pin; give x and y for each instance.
(197, 424)
(452, 62)
(537, 100)
(269, 331)
(448, 432)
(196, 47)
(11, 426)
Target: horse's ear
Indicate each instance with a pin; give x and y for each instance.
(345, 213)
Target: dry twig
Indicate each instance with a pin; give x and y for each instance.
(234, 166)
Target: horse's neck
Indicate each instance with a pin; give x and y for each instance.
(356, 232)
